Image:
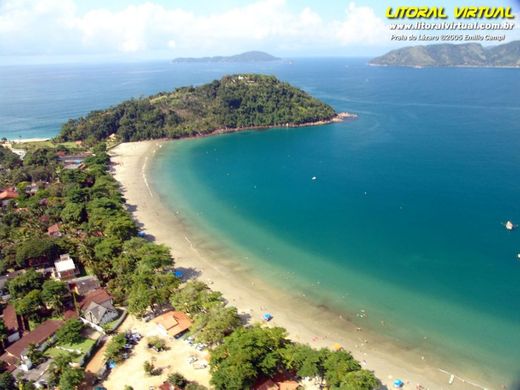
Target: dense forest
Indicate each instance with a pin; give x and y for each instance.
(237, 101)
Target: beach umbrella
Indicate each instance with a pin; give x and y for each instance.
(267, 317)
(398, 383)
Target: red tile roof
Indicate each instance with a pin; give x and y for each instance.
(37, 336)
(98, 296)
(8, 193)
(174, 322)
(54, 229)
(11, 320)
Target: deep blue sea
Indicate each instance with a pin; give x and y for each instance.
(404, 218)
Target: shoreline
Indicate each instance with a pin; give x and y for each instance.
(303, 320)
(339, 117)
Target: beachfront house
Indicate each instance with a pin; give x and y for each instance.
(64, 268)
(97, 308)
(173, 323)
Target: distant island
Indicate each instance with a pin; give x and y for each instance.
(235, 102)
(249, 56)
(467, 54)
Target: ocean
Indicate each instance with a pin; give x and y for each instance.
(403, 223)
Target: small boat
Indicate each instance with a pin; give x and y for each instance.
(509, 225)
(314, 178)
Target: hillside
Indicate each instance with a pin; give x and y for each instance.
(250, 56)
(467, 54)
(237, 101)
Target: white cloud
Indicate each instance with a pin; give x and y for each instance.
(57, 27)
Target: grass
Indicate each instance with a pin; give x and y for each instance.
(83, 346)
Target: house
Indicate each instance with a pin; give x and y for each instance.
(97, 307)
(65, 267)
(54, 230)
(16, 354)
(84, 284)
(13, 323)
(7, 195)
(32, 189)
(173, 323)
(167, 386)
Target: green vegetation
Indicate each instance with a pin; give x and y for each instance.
(116, 347)
(237, 101)
(467, 54)
(70, 333)
(249, 353)
(7, 381)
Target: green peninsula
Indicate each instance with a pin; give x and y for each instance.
(467, 54)
(235, 102)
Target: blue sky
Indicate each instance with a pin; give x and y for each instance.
(97, 30)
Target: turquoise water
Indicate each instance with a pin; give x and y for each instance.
(403, 220)
(404, 217)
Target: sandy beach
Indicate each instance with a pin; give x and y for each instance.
(304, 321)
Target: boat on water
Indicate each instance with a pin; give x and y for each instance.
(509, 225)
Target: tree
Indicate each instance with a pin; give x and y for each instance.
(195, 297)
(178, 380)
(71, 378)
(3, 333)
(70, 332)
(59, 363)
(29, 306)
(7, 381)
(34, 354)
(74, 213)
(157, 343)
(36, 248)
(337, 365)
(245, 355)
(115, 347)
(212, 326)
(360, 380)
(54, 294)
(24, 283)
(302, 359)
(121, 228)
(148, 367)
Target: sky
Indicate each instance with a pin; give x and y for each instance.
(119, 30)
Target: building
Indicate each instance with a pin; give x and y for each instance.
(16, 354)
(32, 189)
(13, 323)
(8, 195)
(65, 267)
(173, 323)
(97, 307)
(84, 284)
(54, 230)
